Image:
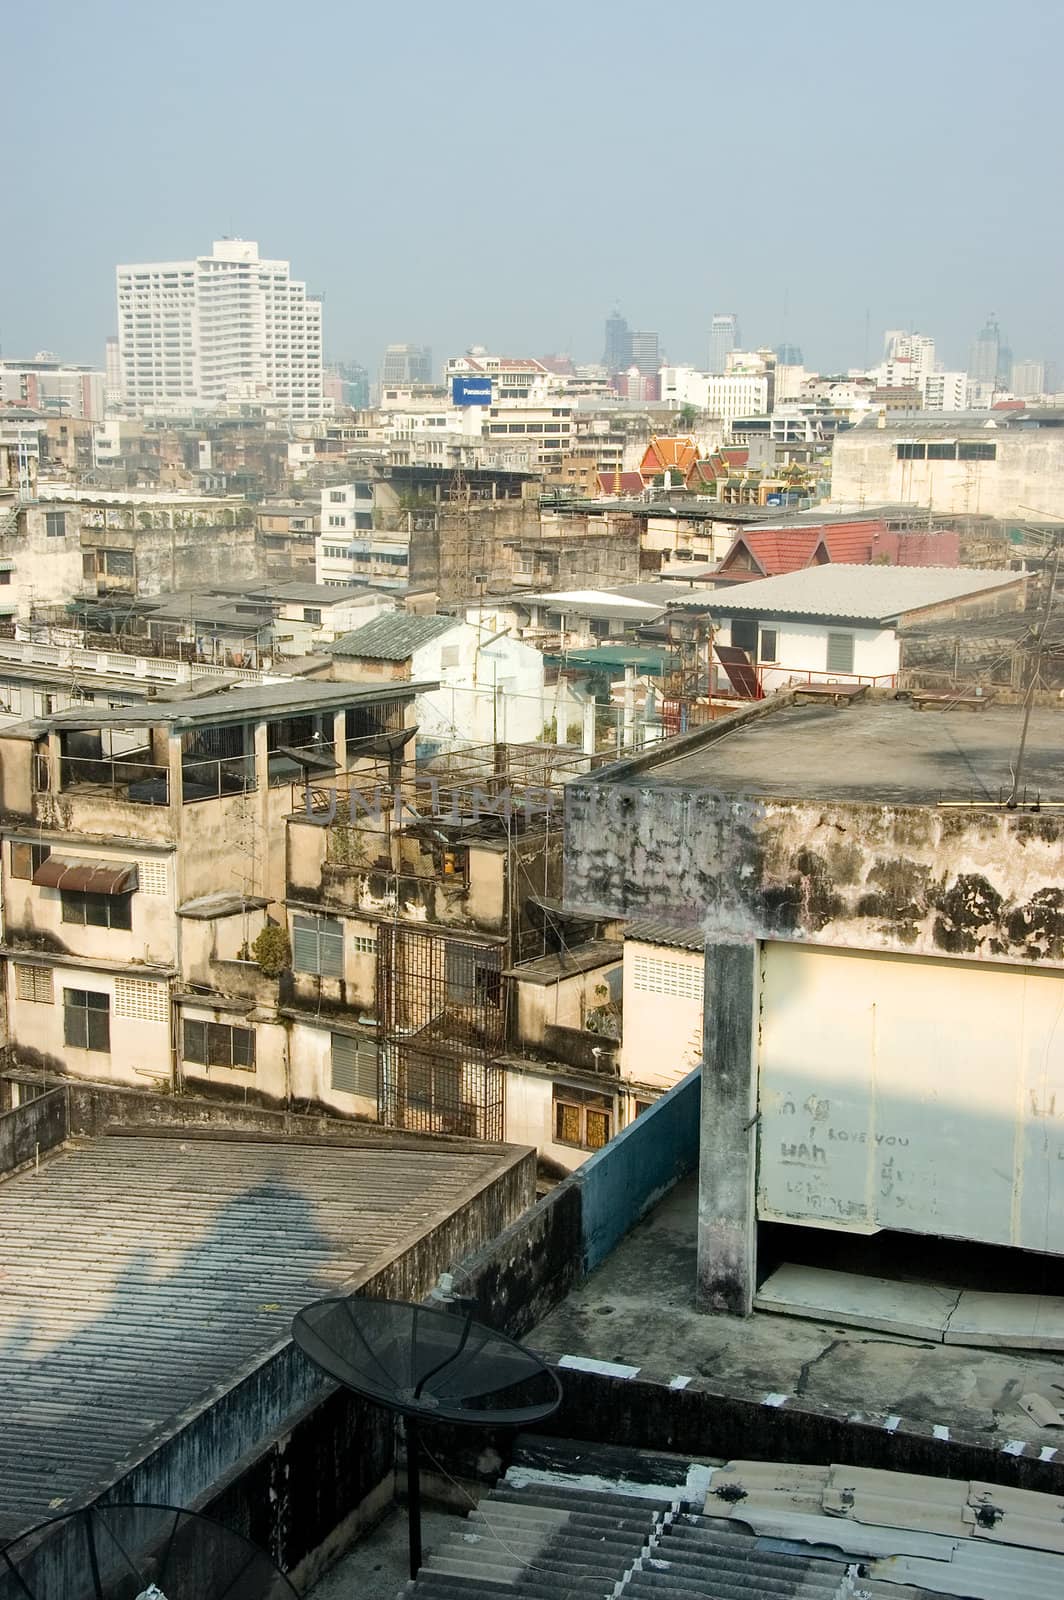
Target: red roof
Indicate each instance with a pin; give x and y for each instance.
(630, 483)
(660, 454)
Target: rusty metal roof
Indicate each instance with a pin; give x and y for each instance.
(77, 873)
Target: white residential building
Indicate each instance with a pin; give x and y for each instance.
(224, 327)
(945, 391)
(738, 394)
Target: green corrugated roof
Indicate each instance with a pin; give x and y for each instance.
(393, 636)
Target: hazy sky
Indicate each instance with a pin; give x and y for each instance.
(504, 173)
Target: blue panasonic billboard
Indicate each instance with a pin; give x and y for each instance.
(471, 391)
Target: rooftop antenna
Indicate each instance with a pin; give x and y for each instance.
(425, 1365)
(113, 1552)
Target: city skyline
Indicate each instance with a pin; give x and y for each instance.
(412, 259)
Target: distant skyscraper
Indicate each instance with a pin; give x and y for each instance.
(618, 352)
(228, 326)
(985, 356)
(1028, 379)
(788, 355)
(406, 363)
(723, 339)
(645, 354)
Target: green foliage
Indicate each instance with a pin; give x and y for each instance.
(272, 951)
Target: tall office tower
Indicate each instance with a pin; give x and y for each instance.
(984, 358)
(723, 339)
(228, 326)
(788, 355)
(406, 363)
(618, 353)
(645, 352)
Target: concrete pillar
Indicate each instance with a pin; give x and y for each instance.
(727, 1216)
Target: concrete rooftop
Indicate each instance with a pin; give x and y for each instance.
(143, 1274)
(638, 1310)
(877, 751)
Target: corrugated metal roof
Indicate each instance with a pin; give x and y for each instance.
(566, 963)
(838, 589)
(140, 1273)
(651, 930)
(393, 636)
(77, 873)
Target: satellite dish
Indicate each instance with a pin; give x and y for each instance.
(425, 1366)
(137, 1552)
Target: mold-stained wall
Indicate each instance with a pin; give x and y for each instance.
(918, 879)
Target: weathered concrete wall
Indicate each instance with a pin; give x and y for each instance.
(727, 1139)
(876, 877)
(30, 1130)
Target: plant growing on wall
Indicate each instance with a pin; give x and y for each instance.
(272, 951)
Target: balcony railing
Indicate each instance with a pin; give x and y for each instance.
(130, 778)
(208, 780)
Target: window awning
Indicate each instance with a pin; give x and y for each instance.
(86, 877)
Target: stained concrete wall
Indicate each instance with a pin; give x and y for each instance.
(32, 1129)
(874, 877)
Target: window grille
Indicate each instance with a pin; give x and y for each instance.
(34, 983)
(152, 877)
(144, 1002)
(656, 975)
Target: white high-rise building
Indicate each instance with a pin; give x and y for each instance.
(224, 327)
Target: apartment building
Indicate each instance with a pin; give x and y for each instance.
(52, 386)
(350, 544)
(231, 326)
(144, 878)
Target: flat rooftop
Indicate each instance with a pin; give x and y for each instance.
(873, 751)
(144, 1274)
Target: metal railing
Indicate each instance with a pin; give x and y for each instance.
(129, 778)
(208, 780)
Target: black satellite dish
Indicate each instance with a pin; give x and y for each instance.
(137, 1552)
(425, 1366)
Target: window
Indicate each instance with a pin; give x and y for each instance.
(582, 1117)
(118, 563)
(34, 983)
(216, 1044)
(363, 491)
(434, 1086)
(641, 1106)
(364, 944)
(472, 974)
(26, 858)
(55, 524)
(975, 451)
(744, 634)
(942, 452)
(354, 1065)
(337, 522)
(768, 645)
(87, 1020)
(840, 652)
(97, 910)
(336, 497)
(43, 704)
(363, 519)
(318, 946)
(312, 614)
(5, 575)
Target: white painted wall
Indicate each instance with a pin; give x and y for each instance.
(493, 692)
(662, 1036)
(802, 649)
(933, 1103)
